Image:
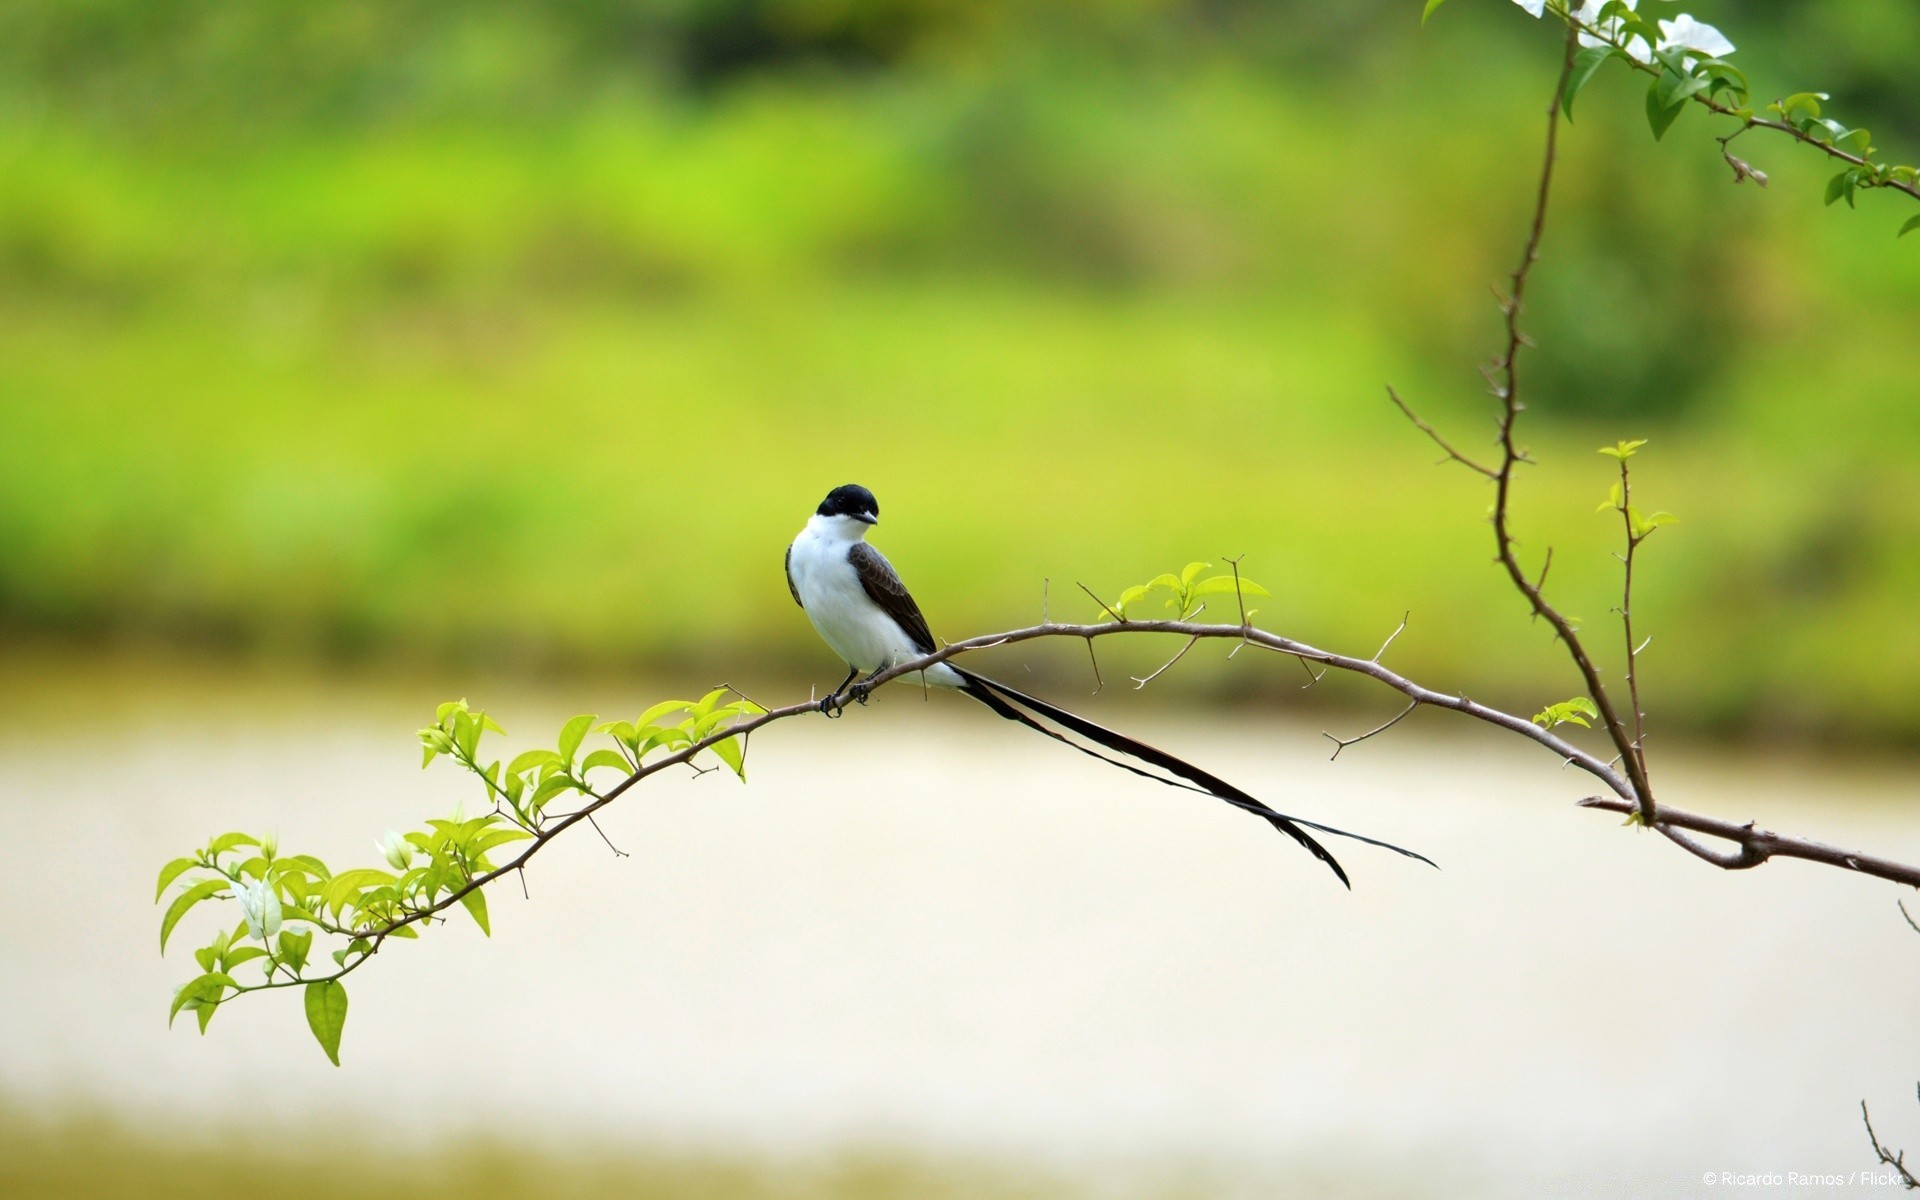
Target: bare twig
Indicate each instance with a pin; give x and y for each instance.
(1407, 616)
(1896, 1160)
(617, 851)
(1340, 743)
(1634, 538)
(1434, 435)
(1139, 683)
(1102, 603)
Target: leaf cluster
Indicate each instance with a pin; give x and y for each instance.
(1186, 592)
(284, 900)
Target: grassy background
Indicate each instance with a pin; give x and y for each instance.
(525, 336)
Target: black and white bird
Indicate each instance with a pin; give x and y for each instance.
(856, 602)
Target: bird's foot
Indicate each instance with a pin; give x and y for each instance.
(861, 692)
(834, 705)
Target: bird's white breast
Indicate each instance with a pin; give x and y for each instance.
(847, 619)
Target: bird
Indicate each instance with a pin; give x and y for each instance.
(857, 604)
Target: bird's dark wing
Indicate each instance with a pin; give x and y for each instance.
(884, 588)
(790, 587)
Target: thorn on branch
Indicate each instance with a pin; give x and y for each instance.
(1098, 683)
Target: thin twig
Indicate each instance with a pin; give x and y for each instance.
(1434, 434)
(1340, 744)
(1103, 604)
(1407, 616)
(1898, 1161)
(1139, 683)
(617, 851)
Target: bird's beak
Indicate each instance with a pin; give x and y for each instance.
(869, 518)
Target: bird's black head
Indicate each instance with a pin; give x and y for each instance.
(851, 500)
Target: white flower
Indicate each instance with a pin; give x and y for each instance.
(1685, 33)
(396, 849)
(1588, 14)
(261, 906)
(1533, 7)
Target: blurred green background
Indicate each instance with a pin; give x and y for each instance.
(523, 336)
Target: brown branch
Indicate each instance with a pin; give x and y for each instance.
(1626, 616)
(1749, 121)
(1898, 1161)
(1753, 845)
(1504, 378)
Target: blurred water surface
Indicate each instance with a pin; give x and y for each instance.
(921, 927)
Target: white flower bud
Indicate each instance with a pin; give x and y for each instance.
(396, 850)
(260, 904)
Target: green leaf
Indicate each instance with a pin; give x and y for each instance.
(240, 954)
(327, 1014)
(1837, 186)
(1567, 712)
(1623, 450)
(1912, 224)
(571, 734)
(1215, 585)
(498, 837)
(1585, 64)
(1808, 102)
(295, 946)
(1659, 116)
(1613, 499)
(186, 900)
(172, 870)
(1429, 9)
(475, 902)
(203, 989)
(606, 758)
(228, 841)
(728, 749)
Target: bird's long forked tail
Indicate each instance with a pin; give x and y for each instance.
(1010, 704)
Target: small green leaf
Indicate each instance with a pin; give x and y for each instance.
(1838, 185)
(1585, 64)
(1912, 224)
(173, 870)
(606, 758)
(1567, 712)
(1807, 102)
(571, 734)
(228, 841)
(295, 946)
(327, 1014)
(475, 902)
(1659, 116)
(1623, 450)
(186, 900)
(1429, 9)
(728, 749)
(204, 989)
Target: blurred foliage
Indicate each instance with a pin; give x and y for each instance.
(528, 334)
(105, 1160)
